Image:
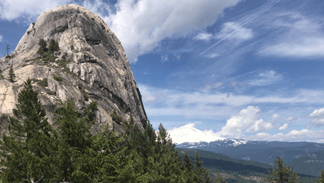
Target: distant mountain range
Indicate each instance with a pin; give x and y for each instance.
(236, 170)
(304, 157)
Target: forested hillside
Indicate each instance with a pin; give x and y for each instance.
(34, 151)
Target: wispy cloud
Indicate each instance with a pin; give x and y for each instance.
(233, 31)
(232, 28)
(1, 38)
(304, 135)
(265, 78)
(142, 25)
(300, 37)
(164, 58)
(204, 36)
(211, 105)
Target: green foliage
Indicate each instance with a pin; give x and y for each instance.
(42, 49)
(1, 76)
(72, 47)
(57, 78)
(283, 173)
(28, 148)
(321, 179)
(43, 83)
(34, 152)
(116, 118)
(51, 92)
(73, 145)
(11, 74)
(53, 46)
(85, 95)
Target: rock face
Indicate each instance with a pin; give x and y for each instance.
(91, 62)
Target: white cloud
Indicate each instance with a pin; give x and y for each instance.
(27, 10)
(188, 133)
(142, 25)
(289, 119)
(1, 38)
(304, 135)
(233, 30)
(265, 78)
(210, 105)
(212, 86)
(308, 47)
(318, 117)
(275, 117)
(300, 36)
(283, 127)
(164, 58)
(203, 36)
(247, 121)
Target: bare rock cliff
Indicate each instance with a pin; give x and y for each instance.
(91, 65)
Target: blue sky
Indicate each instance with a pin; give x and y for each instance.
(213, 69)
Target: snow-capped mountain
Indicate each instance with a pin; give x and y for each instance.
(261, 151)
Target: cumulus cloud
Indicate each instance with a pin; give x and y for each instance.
(283, 127)
(27, 10)
(142, 25)
(233, 30)
(1, 38)
(318, 117)
(247, 121)
(188, 133)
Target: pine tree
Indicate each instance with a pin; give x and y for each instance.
(74, 145)
(53, 46)
(27, 150)
(42, 49)
(202, 174)
(11, 74)
(321, 179)
(283, 173)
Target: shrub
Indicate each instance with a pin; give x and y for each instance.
(51, 92)
(57, 78)
(72, 47)
(85, 95)
(43, 83)
(116, 118)
(53, 46)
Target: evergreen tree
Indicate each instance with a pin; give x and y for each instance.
(321, 179)
(53, 46)
(283, 173)
(11, 74)
(202, 174)
(74, 145)
(42, 49)
(27, 150)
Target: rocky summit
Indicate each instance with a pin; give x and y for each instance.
(90, 65)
